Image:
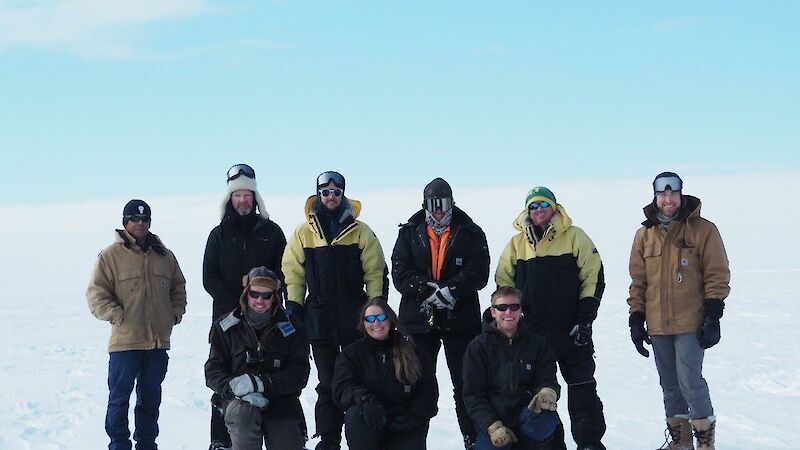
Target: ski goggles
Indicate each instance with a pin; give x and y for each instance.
(326, 177)
(239, 170)
(672, 183)
(137, 219)
(264, 295)
(507, 306)
(373, 317)
(326, 192)
(536, 205)
(440, 204)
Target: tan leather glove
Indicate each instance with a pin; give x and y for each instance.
(544, 399)
(501, 435)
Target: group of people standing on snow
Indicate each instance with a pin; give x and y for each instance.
(323, 296)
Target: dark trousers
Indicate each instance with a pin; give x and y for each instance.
(250, 428)
(361, 437)
(585, 408)
(219, 432)
(455, 346)
(328, 416)
(146, 369)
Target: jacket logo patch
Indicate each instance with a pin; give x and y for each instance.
(286, 328)
(163, 283)
(527, 367)
(459, 261)
(407, 388)
(684, 262)
(276, 363)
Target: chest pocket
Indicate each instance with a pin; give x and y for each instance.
(526, 371)
(130, 281)
(163, 277)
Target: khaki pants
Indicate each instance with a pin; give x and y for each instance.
(249, 428)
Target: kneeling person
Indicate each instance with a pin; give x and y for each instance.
(259, 364)
(510, 387)
(387, 390)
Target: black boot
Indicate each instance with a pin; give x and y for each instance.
(330, 442)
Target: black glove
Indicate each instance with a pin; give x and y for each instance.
(582, 333)
(709, 333)
(404, 422)
(638, 333)
(374, 414)
(587, 309)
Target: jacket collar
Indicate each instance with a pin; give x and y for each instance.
(125, 239)
(689, 210)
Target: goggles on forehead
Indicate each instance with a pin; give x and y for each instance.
(440, 204)
(672, 183)
(326, 177)
(239, 170)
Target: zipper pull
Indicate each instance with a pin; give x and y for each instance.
(680, 277)
(383, 357)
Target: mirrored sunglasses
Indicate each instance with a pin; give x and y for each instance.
(137, 219)
(239, 170)
(535, 205)
(440, 204)
(264, 295)
(326, 192)
(507, 306)
(373, 317)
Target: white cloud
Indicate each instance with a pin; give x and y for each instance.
(89, 27)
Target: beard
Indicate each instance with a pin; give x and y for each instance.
(244, 210)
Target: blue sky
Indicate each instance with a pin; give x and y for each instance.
(160, 97)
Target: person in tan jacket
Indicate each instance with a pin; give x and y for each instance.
(680, 278)
(138, 286)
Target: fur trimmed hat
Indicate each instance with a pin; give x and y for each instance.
(540, 193)
(239, 183)
(259, 276)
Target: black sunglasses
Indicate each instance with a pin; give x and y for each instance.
(239, 170)
(264, 295)
(137, 219)
(326, 192)
(507, 306)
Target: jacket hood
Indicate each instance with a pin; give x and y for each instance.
(122, 237)
(459, 216)
(560, 222)
(351, 208)
(689, 210)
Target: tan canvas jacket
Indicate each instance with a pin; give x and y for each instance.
(142, 293)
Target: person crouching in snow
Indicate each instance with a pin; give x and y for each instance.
(510, 387)
(387, 390)
(259, 364)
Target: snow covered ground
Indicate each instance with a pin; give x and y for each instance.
(53, 361)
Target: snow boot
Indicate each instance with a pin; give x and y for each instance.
(329, 442)
(680, 434)
(704, 432)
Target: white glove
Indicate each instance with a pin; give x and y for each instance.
(442, 298)
(246, 384)
(544, 399)
(256, 399)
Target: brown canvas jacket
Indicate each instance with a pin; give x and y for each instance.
(673, 271)
(142, 293)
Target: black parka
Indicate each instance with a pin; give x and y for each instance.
(465, 271)
(235, 246)
(502, 375)
(284, 368)
(366, 368)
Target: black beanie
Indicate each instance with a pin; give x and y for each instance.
(133, 208)
(438, 188)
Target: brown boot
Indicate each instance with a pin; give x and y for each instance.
(704, 432)
(680, 433)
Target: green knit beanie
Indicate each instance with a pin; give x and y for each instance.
(540, 193)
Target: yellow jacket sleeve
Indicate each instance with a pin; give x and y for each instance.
(293, 266)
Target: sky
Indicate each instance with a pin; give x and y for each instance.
(102, 100)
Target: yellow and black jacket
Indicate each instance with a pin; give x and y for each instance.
(340, 274)
(556, 273)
